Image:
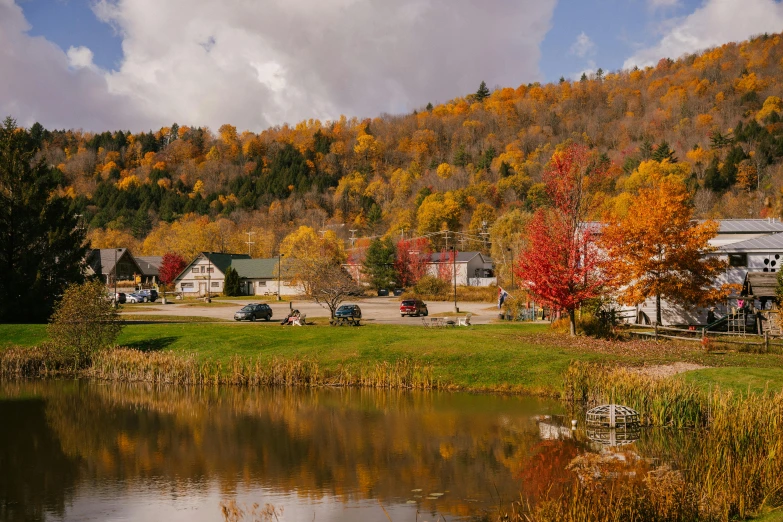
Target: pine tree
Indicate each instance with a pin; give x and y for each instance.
(482, 93)
(231, 283)
(41, 243)
(663, 152)
(379, 263)
(429, 107)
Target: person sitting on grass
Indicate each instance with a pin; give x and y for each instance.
(289, 319)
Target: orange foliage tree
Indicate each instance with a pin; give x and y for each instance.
(657, 250)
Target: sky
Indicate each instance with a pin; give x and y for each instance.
(143, 64)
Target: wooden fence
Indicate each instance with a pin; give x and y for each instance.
(700, 335)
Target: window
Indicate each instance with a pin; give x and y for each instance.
(195, 270)
(738, 260)
(186, 285)
(215, 284)
(262, 283)
(210, 270)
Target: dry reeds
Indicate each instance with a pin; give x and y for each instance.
(729, 467)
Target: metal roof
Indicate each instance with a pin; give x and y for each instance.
(760, 284)
(746, 226)
(149, 265)
(462, 257)
(769, 243)
(256, 268)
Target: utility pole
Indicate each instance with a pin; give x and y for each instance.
(454, 270)
(446, 233)
(249, 242)
(208, 298)
(279, 255)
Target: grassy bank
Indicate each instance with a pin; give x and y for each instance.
(527, 358)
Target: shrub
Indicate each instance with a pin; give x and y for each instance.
(231, 283)
(84, 321)
(431, 286)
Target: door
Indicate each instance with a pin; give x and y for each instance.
(202, 289)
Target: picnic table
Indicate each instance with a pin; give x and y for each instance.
(345, 321)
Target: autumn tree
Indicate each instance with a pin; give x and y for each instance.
(327, 283)
(84, 321)
(41, 241)
(560, 263)
(657, 250)
(170, 267)
(413, 258)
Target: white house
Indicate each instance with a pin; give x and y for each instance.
(256, 276)
(207, 270)
(472, 268)
(749, 245)
(260, 277)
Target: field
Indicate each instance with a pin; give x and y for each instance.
(501, 357)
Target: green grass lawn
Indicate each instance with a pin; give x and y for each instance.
(498, 356)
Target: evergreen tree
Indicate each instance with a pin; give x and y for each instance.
(231, 283)
(379, 263)
(663, 152)
(562, 79)
(482, 93)
(41, 244)
(429, 107)
(583, 78)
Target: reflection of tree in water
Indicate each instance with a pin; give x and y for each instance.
(354, 444)
(36, 478)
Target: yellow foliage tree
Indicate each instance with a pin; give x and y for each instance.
(445, 171)
(438, 212)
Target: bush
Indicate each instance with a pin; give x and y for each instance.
(430, 287)
(84, 321)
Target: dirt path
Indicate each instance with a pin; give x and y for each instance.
(667, 370)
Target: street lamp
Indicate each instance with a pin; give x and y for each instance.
(454, 269)
(279, 255)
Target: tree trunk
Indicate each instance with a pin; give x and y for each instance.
(572, 322)
(658, 308)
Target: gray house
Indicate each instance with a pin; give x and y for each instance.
(112, 264)
(260, 277)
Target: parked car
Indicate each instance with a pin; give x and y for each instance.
(414, 307)
(254, 311)
(120, 297)
(348, 311)
(135, 298)
(151, 295)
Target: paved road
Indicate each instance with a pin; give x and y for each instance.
(382, 310)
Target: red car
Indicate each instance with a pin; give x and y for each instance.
(413, 307)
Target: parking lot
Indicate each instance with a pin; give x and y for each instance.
(380, 310)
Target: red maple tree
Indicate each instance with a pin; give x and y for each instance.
(413, 259)
(170, 267)
(560, 262)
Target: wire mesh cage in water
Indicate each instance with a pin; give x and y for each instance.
(614, 436)
(612, 416)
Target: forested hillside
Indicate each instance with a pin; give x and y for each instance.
(462, 165)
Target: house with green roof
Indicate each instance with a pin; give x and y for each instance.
(256, 276)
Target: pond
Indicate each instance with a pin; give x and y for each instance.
(86, 450)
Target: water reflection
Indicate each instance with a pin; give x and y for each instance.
(85, 450)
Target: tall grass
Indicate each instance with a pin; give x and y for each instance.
(126, 365)
(729, 467)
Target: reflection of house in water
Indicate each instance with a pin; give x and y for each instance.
(552, 428)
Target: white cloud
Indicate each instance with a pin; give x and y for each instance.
(589, 70)
(714, 23)
(583, 46)
(80, 57)
(39, 82)
(658, 4)
(255, 64)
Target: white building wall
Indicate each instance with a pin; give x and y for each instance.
(198, 276)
